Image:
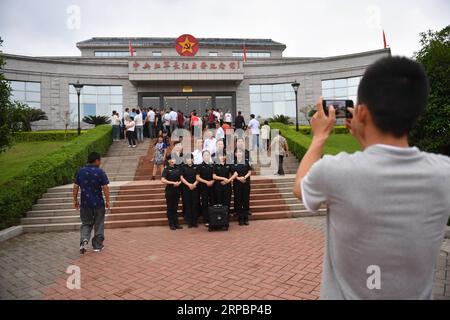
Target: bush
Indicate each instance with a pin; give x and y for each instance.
(337, 130)
(45, 136)
(298, 143)
(97, 120)
(280, 118)
(18, 195)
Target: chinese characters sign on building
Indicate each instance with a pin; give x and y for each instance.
(184, 66)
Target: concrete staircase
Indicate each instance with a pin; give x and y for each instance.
(121, 162)
(137, 201)
(142, 203)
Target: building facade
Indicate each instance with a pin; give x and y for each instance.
(158, 76)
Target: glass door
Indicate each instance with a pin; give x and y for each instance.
(187, 104)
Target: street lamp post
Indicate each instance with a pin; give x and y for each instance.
(78, 87)
(296, 85)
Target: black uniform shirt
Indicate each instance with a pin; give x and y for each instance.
(172, 174)
(189, 172)
(242, 169)
(205, 171)
(222, 170)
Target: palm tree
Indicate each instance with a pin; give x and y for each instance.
(96, 120)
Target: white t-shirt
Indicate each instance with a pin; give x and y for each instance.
(210, 145)
(130, 125)
(138, 119)
(265, 132)
(227, 117)
(166, 119)
(126, 115)
(151, 116)
(220, 134)
(173, 115)
(217, 115)
(198, 157)
(387, 210)
(115, 121)
(254, 126)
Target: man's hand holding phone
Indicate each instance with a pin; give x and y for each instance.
(321, 124)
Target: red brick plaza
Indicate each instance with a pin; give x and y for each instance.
(270, 259)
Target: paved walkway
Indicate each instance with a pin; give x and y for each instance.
(270, 259)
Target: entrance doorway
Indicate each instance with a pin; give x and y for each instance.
(188, 102)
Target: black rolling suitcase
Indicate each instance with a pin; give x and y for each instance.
(218, 217)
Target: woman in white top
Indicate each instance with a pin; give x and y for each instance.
(131, 126)
(227, 117)
(265, 135)
(139, 126)
(210, 142)
(115, 123)
(197, 153)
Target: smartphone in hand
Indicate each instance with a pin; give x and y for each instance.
(340, 106)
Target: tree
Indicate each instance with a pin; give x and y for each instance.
(432, 131)
(22, 116)
(96, 120)
(308, 112)
(5, 109)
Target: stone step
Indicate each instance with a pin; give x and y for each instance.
(254, 206)
(74, 226)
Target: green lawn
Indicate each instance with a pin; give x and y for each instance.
(19, 157)
(341, 142)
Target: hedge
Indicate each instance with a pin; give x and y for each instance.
(307, 129)
(298, 142)
(56, 135)
(57, 168)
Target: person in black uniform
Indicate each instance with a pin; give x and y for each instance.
(171, 178)
(205, 178)
(241, 186)
(190, 193)
(240, 145)
(222, 187)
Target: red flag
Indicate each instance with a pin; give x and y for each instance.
(245, 53)
(131, 49)
(384, 40)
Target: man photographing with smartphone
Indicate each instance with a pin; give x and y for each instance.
(387, 204)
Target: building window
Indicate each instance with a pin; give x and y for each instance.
(157, 53)
(268, 100)
(252, 54)
(113, 53)
(213, 54)
(95, 101)
(344, 88)
(26, 92)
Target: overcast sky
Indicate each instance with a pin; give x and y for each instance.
(308, 28)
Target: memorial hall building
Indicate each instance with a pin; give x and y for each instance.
(185, 73)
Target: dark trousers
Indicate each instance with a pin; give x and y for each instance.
(172, 198)
(206, 200)
(131, 135)
(222, 194)
(241, 200)
(151, 130)
(92, 219)
(146, 135)
(190, 205)
(280, 164)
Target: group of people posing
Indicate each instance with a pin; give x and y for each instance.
(202, 184)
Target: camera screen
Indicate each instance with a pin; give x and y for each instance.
(339, 107)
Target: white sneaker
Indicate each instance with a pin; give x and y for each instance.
(83, 247)
(99, 249)
(129, 146)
